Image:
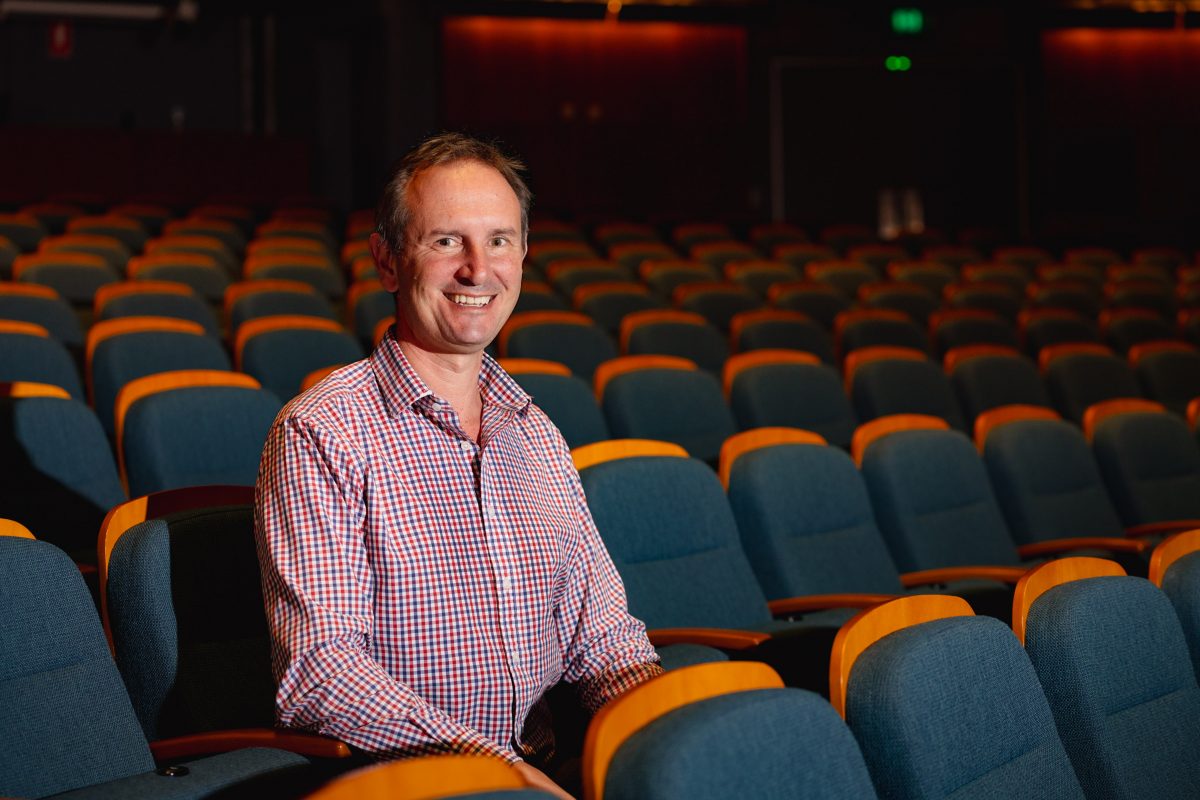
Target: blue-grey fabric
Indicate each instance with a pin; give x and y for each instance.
(849, 276)
(53, 314)
(720, 307)
(820, 302)
(933, 501)
(962, 332)
(65, 719)
(581, 347)
(666, 281)
(901, 386)
(788, 334)
(702, 344)
(1112, 658)
(1083, 300)
(568, 281)
(209, 282)
(675, 656)
(609, 309)
(182, 306)
(883, 332)
(25, 235)
(632, 258)
(189, 631)
(268, 304)
(1151, 466)
(668, 527)
(120, 359)
(1172, 377)
(540, 301)
(74, 283)
(1159, 299)
(808, 396)
(1181, 584)
(1124, 333)
(986, 382)
(672, 405)
(280, 359)
(196, 436)
(917, 305)
(806, 523)
(205, 777)
(953, 709)
(40, 359)
(325, 280)
(60, 477)
(760, 279)
(1082, 379)
(1046, 331)
(767, 743)
(1047, 482)
(570, 404)
(371, 309)
(1000, 300)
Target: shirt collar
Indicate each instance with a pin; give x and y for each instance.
(401, 387)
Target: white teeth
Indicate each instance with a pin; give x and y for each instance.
(470, 300)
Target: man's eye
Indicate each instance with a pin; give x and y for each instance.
(445, 241)
(499, 241)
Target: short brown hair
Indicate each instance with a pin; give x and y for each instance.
(391, 216)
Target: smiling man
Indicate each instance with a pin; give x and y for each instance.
(430, 567)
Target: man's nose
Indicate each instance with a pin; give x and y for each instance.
(474, 266)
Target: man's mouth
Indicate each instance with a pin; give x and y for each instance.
(471, 300)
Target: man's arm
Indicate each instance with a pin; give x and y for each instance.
(317, 587)
(605, 648)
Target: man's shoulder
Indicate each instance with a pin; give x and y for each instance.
(346, 393)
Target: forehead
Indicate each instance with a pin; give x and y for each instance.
(461, 193)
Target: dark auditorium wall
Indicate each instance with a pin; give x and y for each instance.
(1013, 115)
(643, 120)
(1119, 123)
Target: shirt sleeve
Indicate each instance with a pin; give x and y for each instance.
(606, 649)
(317, 589)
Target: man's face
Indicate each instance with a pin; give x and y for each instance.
(460, 273)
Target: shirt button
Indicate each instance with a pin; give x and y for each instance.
(466, 446)
(506, 584)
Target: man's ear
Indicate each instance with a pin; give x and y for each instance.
(387, 263)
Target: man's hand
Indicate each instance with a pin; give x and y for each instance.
(537, 779)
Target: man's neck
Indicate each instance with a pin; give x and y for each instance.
(454, 377)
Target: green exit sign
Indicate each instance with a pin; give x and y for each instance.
(908, 20)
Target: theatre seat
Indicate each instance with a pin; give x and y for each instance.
(431, 778)
(190, 428)
(67, 722)
(664, 398)
(60, 477)
(946, 704)
(1175, 568)
(565, 398)
(27, 353)
(716, 731)
(1112, 657)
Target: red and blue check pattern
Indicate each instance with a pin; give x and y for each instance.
(424, 591)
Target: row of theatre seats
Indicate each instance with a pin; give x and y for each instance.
(765, 596)
(764, 571)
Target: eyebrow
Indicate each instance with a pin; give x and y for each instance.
(493, 232)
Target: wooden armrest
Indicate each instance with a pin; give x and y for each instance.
(948, 574)
(727, 638)
(1162, 528)
(299, 742)
(820, 602)
(1053, 547)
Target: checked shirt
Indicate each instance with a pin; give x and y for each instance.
(424, 591)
